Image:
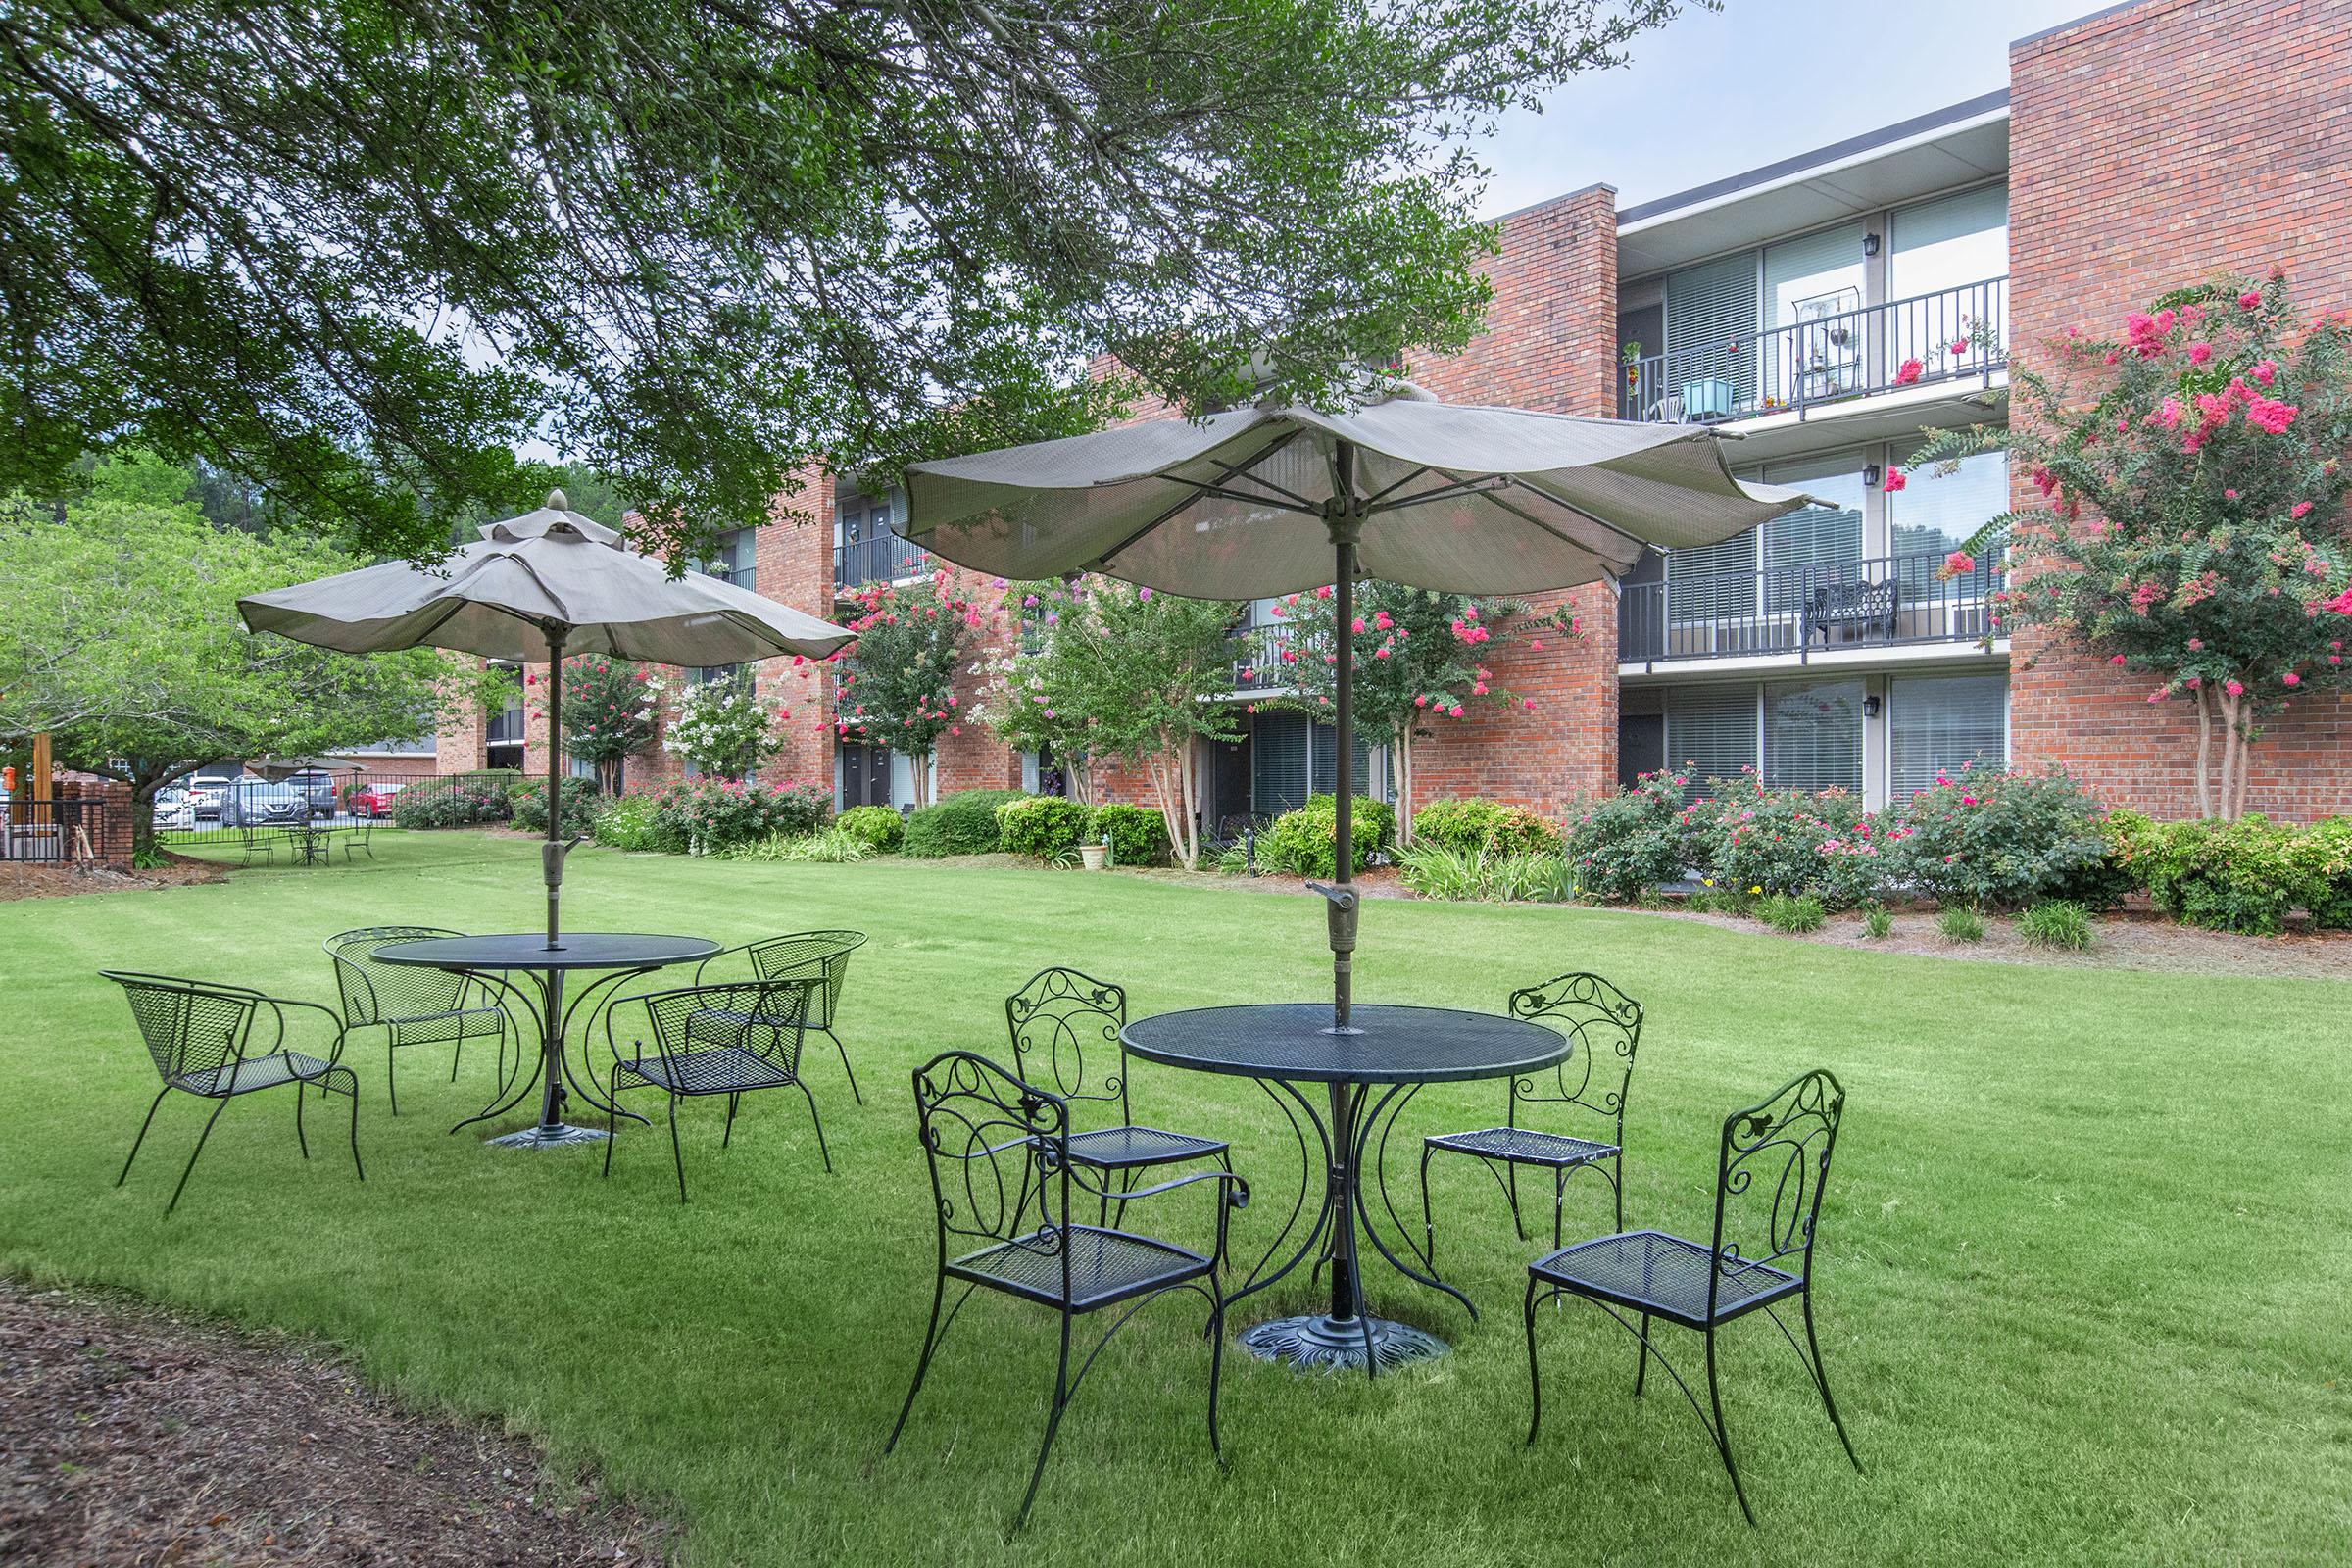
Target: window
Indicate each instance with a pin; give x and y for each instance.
(1813, 735)
(1932, 514)
(1711, 334)
(1940, 724)
(1713, 582)
(1710, 731)
(1941, 249)
(733, 562)
(1813, 285)
(1281, 779)
(867, 546)
(1818, 544)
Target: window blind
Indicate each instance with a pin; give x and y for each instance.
(1813, 735)
(1712, 328)
(1940, 723)
(1277, 763)
(1710, 733)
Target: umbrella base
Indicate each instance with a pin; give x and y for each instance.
(1321, 1344)
(552, 1135)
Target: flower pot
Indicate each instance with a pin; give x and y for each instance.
(1095, 857)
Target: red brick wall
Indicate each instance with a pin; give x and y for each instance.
(458, 744)
(107, 831)
(2150, 147)
(1550, 343)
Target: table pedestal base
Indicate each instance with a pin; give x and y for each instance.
(554, 1136)
(1317, 1341)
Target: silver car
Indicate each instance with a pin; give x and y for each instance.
(258, 802)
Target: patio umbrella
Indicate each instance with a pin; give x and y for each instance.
(1278, 498)
(535, 589)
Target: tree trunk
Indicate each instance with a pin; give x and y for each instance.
(1401, 766)
(2233, 758)
(2204, 752)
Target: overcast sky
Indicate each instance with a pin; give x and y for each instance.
(1722, 91)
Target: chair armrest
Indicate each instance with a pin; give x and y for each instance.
(280, 1004)
(1233, 1194)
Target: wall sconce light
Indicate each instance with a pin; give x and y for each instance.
(1870, 244)
(1872, 474)
(1870, 705)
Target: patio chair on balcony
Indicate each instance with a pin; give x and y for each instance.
(1771, 1165)
(201, 1038)
(1002, 1174)
(1862, 608)
(1586, 1090)
(804, 956)
(413, 1006)
(1057, 1021)
(732, 1040)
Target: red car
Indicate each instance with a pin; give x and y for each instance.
(372, 799)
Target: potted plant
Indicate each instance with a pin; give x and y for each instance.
(1095, 856)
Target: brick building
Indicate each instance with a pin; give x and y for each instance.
(1824, 309)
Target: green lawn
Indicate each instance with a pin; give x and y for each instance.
(2083, 1273)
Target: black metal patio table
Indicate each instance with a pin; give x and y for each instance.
(1395, 1049)
(492, 959)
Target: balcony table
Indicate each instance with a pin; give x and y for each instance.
(1393, 1048)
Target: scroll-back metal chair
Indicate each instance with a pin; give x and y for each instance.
(1773, 1166)
(1002, 1174)
(1603, 1027)
(202, 1037)
(413, 1006)
(359, 835)
(1057, 1021)
(730, 1039)
(804, 954)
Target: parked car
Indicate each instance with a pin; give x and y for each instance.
(373, 800)
(175, 807)
(258, 802)
(318, 785)
(208, 789)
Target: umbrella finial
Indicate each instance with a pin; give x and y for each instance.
(557, 501)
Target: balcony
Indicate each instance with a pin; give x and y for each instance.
(885, 558)
(1261, 669)
(1957, 336)
(1887, 601)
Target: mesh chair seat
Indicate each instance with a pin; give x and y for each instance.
(1664, 1276)
(1524, 1147)
(429, 1028)
(710, 1070)
(255, 1072)
(1131, 1147)
(1106, 1266)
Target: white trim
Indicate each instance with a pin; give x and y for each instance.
(1867, 656)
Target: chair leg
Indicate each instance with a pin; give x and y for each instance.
(1217, 1360)
(1617, 1186)
(391, 1083)
(355, 1124)
(1511, 1186)
(922, 1364)
(1642, 1363)
(1722, 1438)
(850, 1072)
(142, 1138)
(727, 1139)
(299, 1139)
(1429, 1223)
(1061, 1400)
(676, 1154)
(818, 1122)
(1559, 1201)
(1534, 1370)
(192, 1155)
(611, 1110)
(1821, 1381)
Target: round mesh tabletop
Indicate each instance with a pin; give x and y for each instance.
(1394, 1045)
(574, 950)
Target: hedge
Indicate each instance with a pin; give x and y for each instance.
(961, 823)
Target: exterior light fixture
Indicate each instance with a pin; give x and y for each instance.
(1872, 474)
(1870, 244)
(1870, 705)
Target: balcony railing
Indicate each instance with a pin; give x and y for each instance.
(886, 558)
(1960, 334)
(1262, 668)
(1883, 602)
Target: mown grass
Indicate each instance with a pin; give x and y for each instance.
(2083, 1264)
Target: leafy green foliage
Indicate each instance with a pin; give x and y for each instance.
(1437, 870)
(832, 846)
(1489, 825)
(629, 822)
(1960, 923)
(1794, 914)
(608, 710)
(2240, 876)
(462, 799)
(526, 802)
(2059, 924)
(897, 685)
(1045, 827)
(720, 727)
(713, 243)
(1877, 923)
(1624, 845)
(1137, 835)
(1301, 842)
(1995, 839)
(878, 825)
(712, 817)
(1762, 843)
(961, 823)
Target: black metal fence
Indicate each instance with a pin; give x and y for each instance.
(52, 832)
(256, 810)
(1728, 615)
(886, 558)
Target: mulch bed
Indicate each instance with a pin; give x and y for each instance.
(132, 1437)
(19, 880)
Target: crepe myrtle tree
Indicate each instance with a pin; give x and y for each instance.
(2190, 520)
(1422, 661)
(1041, 696)
(357, 251)
(609, 711)
(720, 725)
(897, 685)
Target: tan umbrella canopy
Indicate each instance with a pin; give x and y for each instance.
(1278, 498)
(535, 589)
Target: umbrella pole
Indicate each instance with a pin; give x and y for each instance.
(551, 853)
(1345, 513)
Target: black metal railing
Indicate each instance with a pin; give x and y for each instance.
(52, 832)
(1882, 601)
(1958, 335)
(886, 558)
(1261, 667)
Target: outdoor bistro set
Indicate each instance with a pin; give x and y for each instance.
(1033, 1167)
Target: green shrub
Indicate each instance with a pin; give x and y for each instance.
(1439, 871)
(1299, 841)
(1138, 835)
(2105, 882)
(2059, 924)
(833, 846)
(882, 828)
(2322, 861)
(1986, 836)
(1625, 844)
(527, 804)
(1484, 826)
(1794, 914)
(2238, 876)
(631, 822)
(1045, 827)
(1233, 860)
(1960, 923)
(462, 799)
(961, 823)
(1758, 842)
(1877, 923)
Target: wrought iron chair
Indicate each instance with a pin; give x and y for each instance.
(1603, 1026)
(806, 955)
(728, 1040)
(413, 1007)
(360, 834)
(1773, 1164)
(256, 847)
(1002, 1172)
(1055, 1021)
(201, 1035)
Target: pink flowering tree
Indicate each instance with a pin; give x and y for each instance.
(608, 707)
(896, 686)
(1423, 660)
(2190, 525)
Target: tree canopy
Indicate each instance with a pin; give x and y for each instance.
(355, 251)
